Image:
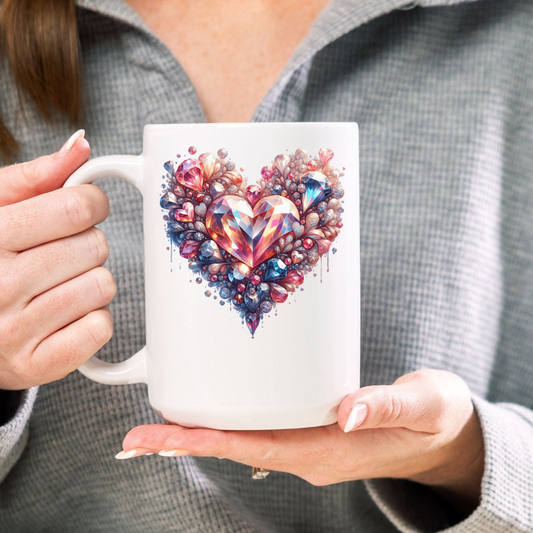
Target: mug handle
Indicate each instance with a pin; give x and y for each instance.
(129, 169)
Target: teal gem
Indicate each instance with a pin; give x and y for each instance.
(276, 269)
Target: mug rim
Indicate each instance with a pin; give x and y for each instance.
(169, 126)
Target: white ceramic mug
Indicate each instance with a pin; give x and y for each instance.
(251, 238)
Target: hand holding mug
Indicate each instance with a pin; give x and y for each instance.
(53, 289)
(422, 428)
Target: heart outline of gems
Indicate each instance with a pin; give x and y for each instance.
(253, 244)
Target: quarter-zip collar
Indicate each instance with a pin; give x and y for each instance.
(338, 18)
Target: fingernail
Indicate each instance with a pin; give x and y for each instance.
(173, 453)
(356, 416)
(136, 452)
(65, 149)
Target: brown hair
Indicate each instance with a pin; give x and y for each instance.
(39, 40)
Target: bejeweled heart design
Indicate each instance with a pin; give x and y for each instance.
(253, 244)
(250, 233)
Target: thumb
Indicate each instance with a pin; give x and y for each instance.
(418, 401)
(47, 173)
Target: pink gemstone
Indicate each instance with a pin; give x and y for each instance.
(282, 162)
(295, 277)
(188, 249)
(266, 172)
(241, 287)
(312, 165)
(252, 321)
(189, 194)
(278, 293)
(298, 201)
(288, 261)
(325, 156)
(255, 279)
(308, 243)
(250, 234)
(190, 173)
(290, 176)
(323, 246)
(186, 213)
(253, 192)
(213, 277)
(192, 150)
(339, 225)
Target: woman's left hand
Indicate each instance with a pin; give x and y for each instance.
(422, 428)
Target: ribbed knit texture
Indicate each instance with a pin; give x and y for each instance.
(443, 97)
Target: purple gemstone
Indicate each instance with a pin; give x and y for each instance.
(252, 321)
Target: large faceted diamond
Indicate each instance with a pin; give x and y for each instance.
(317, 189)
(247, 233)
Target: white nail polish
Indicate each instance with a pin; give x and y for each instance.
(149, 453)
(65, 149)
(126, 455)
(356, 417)
(173, 453)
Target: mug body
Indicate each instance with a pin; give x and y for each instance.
(252, 272)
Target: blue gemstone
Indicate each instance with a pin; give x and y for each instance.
(207, 251)
(252, 300)
(317, 189)
(169, 201)
(276, 269)
(277, 189)
(263, 290)
(225, 293)
(169, 167)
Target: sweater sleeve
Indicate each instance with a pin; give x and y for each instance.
(14, 432)
(506, 501)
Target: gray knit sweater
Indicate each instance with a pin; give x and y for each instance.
(443, 96)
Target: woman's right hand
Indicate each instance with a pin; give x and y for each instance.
(53, 288)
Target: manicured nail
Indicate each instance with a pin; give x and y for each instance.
(65, 149)
(356, 417)
(136, 452)
(173, 453)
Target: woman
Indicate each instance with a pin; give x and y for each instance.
(440, 434)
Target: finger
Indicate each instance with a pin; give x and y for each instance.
(65, 350)
(51, 216)
(158, 437)
(46, 266)
(421, 401)
(25, 180)
(240, 446)
(54, 309)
